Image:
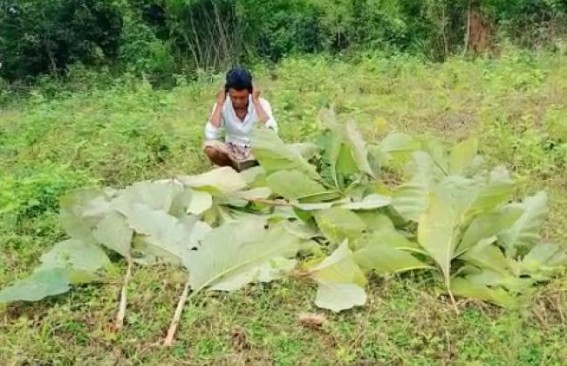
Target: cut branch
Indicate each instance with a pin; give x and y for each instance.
(123, 294)
(176, 317)
(453, 302)
(270, 202)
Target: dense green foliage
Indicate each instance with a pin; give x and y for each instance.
(164, 37)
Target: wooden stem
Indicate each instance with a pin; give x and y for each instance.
(176, 317)
(123, 295)
(453, 302)
(271, 202)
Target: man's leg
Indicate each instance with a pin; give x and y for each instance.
(218, 154)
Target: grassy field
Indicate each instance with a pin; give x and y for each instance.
(128, 132)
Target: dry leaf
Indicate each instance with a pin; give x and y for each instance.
(238, 339)
(311, 320)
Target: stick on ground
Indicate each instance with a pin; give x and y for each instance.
(176, 317)
(122, 307)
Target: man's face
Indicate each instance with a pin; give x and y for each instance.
(239, 98)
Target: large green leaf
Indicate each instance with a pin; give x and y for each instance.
(220, 180)
(114, 233)
(38, 286)
(386, 260)
(398, 143)
(81, 210)
(437, 151)
(254, 177)
(254, 193)
(333, 143)
(506, 280)
(543, 260)
(338, 224)
(410, 198)
(436, 232)
(358, 146)
(375, 220)
(525, 231)
(274, 155)
(301, 229)
(239, 253)
(314, 206)
(393, 151)
(346, 164)
(496, 192)
(489, 224)
(386, 252)
(81, 260)
(199, 202)
(459, 192)
(462, 156)
(498, 296)
(307, 150)
(293, 184)
(171, 238)
(333, 152)
(388, 236)
(487, 256)
(370, 202)
(158, 195)
(340, 281)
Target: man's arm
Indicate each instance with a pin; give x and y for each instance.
(215, 121)
(264, 111)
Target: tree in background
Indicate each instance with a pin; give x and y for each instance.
(45, 36)
(159, 38)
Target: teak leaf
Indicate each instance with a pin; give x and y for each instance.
(293, 185)
(436, 232)
(172, 237)
(498, 296)
(238, 253)
(340, 281)
(274, 155)
(338, 224)
(358, 146)
(81, 210)
(220, 180)
(199, 202)
(370, 202)
(489, 224)
(410, 198)
(114, 233)
(81, 260)
(38, 286)
(386, 251)
(525, 231)
(462, 156)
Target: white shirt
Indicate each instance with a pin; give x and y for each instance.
(236, 130)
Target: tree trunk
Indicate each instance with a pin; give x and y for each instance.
(479, 30)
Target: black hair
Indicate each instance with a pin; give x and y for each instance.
(239, 79)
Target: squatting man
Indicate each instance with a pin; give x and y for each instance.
(238, 110)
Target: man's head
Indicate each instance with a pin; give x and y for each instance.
(239, 87)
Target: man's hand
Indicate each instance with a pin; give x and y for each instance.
(256, 96)
(217, 112)
(262, 115)
(221, 96)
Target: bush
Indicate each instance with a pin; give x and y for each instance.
(46, 36)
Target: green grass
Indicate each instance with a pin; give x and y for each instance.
(128, 132)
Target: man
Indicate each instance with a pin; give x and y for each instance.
(238, 110)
